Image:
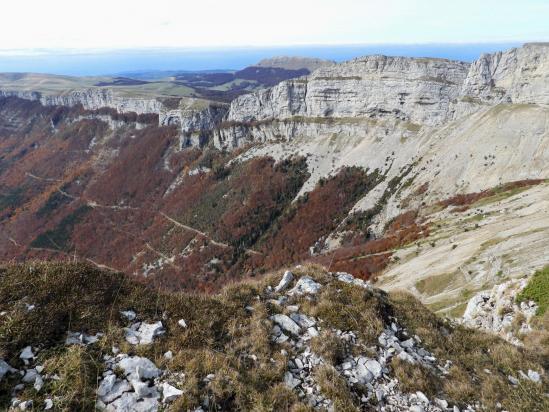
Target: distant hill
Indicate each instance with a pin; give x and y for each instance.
(295, 63)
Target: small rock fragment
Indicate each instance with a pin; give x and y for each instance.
(534, 376)
(26, 354)
(290, 381)
(374, 367)
(286, 323)
(128, 314)
(170, 393)
(305, 285)
(5, 368)
(138, 367)
(285, 281)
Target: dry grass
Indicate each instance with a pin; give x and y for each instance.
(232, 342)
(472, 352)
(335, 388)
(330, 347)
(416, 378)
(350, 308)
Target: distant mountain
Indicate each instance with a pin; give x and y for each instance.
(295, 63)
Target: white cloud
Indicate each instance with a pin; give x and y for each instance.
(178, 23)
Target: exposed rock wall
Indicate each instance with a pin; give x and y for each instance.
(422, 92)
(195, 122)
(92, 99)
(519, 76)
(497, 311)
(418, 91)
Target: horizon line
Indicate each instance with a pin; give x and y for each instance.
(90, 50)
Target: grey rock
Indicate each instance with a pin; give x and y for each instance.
(441, 403)
(285, 281)
(313, 332)
(128, 314)
(117, 390)
(5, 368)
(142, 389)
(170, 393)
(305, 285)
(30, 376)
(422, 398)
(38, 383)
(534, 376)
(303, 320)
(363, 374)
(130, 402)
(106, 385)
(286, 323)
(407, 343)
(139, 367)
(26, 405)
(145, 333)
(345, 277)
(26, 354)
(290, 381)
(48, 404)
(374, 367)
(406, 357)
(76, 338)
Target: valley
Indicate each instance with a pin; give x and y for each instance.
(297, 235)
(185, 192)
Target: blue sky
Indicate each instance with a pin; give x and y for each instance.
(113, 24)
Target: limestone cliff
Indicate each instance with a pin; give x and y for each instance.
(196, 118)
(519, 76)
(419, 91)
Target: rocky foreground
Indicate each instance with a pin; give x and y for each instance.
(75, 338)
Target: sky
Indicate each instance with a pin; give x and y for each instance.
(38, 26)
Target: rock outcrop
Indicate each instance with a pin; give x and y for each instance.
(519, 76)
(497, 311)
(418, 91)
(295, 63)
(195, 118)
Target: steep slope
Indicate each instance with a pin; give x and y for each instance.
(76, 338)
(488, 127)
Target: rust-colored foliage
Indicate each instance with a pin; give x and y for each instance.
(315, 215)
(468, 199)
(371, 257)
(73, 188)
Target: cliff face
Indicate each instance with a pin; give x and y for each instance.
(519, 76)
(194, 122)
(93, 99)
(419, 91)
(422, 92)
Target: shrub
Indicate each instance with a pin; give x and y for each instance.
(537, 290)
